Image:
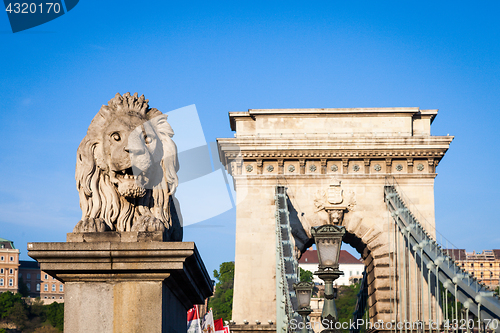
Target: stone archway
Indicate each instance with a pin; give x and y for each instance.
(307, 150)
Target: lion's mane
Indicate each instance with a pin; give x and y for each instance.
(99, 199)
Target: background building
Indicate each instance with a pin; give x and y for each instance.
(353, 268)
(485, 266)
(9, 264)
(13, 272)
(40, 284)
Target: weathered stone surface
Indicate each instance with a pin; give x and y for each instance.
(317, 148)
(113, 236)
(126, 171)
(126, 286)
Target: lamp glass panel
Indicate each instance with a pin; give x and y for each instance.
(329, 250)
(304, 298)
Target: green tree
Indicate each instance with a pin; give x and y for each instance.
(7, 301)
(346, 301)
(222, 301)
(37, 308)
(55, 315)
(18, 314)
(305, 276)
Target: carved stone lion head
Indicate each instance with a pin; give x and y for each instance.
(126, 170)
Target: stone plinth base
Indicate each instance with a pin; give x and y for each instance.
(252, 328)
(125, 286)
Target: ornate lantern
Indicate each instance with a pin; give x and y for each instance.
(328, 240)
(304, 290)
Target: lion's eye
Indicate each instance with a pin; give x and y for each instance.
(116, 136)
(148, 139)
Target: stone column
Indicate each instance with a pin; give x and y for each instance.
(125, 282)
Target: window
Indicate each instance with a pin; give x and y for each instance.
(61, 287)
(11, 271)
(38, 287)
(471, 265)
(1, 270)
(481, 265)
(1, 282)
(482, 274)
(46, 277)
(28, 276)
(45, 287)
(491, 265)
(53, 278)
(53, 287)
(491, 274)
(11, 258)
(28, 286)
(45, 297)
(11, 282)
(1, 258)
(60, 297)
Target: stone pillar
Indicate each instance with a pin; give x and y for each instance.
(125, 282)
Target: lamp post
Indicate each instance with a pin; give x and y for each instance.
(328, 239)
(303, 290)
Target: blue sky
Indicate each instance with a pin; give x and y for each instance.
(232, 56)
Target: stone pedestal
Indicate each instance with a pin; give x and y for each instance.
(134, 283)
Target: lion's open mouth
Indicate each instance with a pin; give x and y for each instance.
(126, 174)
(129, 184)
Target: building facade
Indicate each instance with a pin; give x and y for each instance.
(9, 266)
(352, 267)
(40, 284)
(484, 266)
(15, 272)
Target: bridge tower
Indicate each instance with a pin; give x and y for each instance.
(332, 161)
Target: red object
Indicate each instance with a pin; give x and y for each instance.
(219, 325)
(192, 314)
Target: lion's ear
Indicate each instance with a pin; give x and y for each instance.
(85, 166)
(162, 126)
(169, 163)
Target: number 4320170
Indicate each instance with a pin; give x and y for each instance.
(32, 8)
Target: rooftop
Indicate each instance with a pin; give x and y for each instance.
(461, 254)
(11, 244)
(29, 264)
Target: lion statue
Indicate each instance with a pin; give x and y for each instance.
(126, 170)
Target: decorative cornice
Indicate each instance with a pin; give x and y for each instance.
(336, 154)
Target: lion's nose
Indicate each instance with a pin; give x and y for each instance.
(134, 150)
